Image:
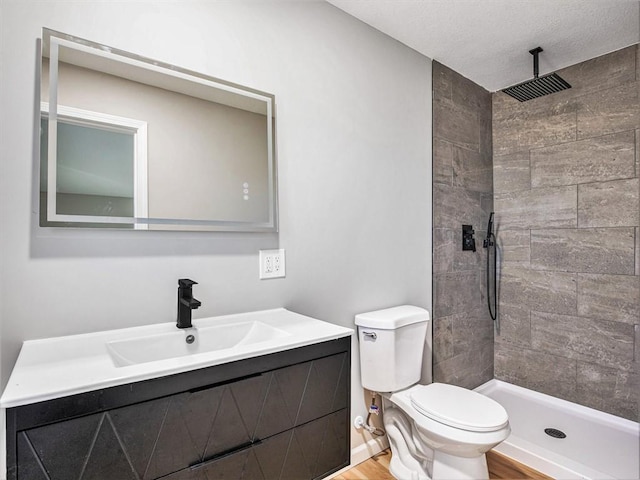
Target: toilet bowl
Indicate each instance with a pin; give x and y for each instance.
(457, 425)
(436, 431)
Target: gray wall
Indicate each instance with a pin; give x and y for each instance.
(462, 194)
(567, 202)
(354, 151)
(199, 152)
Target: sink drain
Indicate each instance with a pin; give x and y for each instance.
(555, 433)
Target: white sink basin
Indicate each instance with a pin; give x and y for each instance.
(150, 348)
(55, 367)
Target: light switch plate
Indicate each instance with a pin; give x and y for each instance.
(272, 263)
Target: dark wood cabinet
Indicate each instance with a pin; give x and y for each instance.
(280, 416)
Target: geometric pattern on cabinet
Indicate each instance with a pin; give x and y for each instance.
(306, 451)
(161, 437)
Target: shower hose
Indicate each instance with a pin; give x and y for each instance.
(491, 245)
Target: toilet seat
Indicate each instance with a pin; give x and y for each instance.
(458, 407)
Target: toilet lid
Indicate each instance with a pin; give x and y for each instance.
(459, 407)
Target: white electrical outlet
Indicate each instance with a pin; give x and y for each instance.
(272, 263)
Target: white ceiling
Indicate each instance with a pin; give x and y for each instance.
(488, 41)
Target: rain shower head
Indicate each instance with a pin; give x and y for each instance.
(539, 86)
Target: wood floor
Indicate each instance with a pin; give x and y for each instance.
(500, 467)
(376, 468)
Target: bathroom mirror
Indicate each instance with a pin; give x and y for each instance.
(129, 142)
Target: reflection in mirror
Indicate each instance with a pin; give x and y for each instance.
(127, 142)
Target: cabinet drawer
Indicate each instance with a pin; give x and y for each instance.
(308, 451)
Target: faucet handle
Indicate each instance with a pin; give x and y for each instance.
(186, 282)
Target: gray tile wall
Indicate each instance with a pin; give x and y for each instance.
(462, 194)
(567, 198)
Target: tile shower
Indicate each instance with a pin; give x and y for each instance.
(566, 192)
(462, 194)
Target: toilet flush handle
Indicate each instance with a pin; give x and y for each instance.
(371, 335)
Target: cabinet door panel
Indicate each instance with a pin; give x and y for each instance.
(226, 467)
(266, 460)
(304, 392)
(234, 422)
(322, 446)
(201, 424)
(320, 393)
(303, 453)
(87, 448)
(29, 466)
(307, 451)
(229, 467)
(282, 402)
(187, 474)
(138, 427)
(175, 446)
(106, 458)
(335, 449)
(343, 390)
(62, 448)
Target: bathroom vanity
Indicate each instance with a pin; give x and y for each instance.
(278, 409)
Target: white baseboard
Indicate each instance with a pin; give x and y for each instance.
(364, 452)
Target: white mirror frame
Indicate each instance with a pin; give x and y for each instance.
(54, 40)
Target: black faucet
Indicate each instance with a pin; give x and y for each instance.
(186, 302)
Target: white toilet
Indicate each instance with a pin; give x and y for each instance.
(436, 431)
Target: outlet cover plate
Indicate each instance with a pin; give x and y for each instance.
(272, 263)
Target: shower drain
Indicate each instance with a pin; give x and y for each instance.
(555, 433)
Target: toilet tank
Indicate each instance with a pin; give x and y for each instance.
(391, 345)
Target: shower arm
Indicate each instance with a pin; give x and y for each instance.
(536, 69)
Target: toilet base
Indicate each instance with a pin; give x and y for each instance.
(409, 460)
(450, 467)
(413, 459)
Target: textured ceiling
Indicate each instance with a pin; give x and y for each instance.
(488, 41)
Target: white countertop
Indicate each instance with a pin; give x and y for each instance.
(57, 367)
